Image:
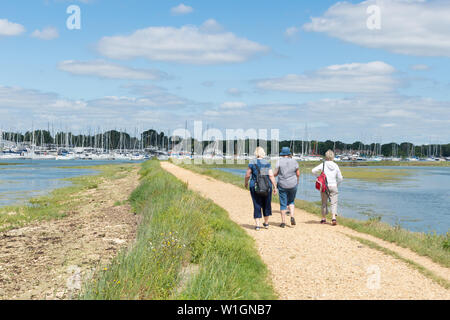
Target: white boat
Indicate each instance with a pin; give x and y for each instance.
(43, 157)
(65, 157)
(10, 156)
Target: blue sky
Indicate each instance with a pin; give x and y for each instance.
(232, 64)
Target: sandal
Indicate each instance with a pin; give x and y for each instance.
(257, 228)
(293, 221)
(323, 221)
(283, 225)
(333, 222)
(266, 225)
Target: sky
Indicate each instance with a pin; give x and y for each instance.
(373, 71)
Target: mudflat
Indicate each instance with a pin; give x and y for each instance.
(52, 259)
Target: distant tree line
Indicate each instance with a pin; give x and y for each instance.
(114, 139)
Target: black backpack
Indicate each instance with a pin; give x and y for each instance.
(262, 184)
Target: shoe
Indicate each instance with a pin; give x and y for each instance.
(334, 222)
(323, 221)
(257, 228)
(293, 221)
(266, 225)
(283, 225)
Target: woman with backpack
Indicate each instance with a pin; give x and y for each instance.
(288, 176)
(333, 179)
(262, 184)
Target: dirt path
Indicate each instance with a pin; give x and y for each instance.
(314, 261)
(50, 260)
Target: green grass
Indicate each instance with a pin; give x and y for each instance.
(378, 174)
(180, 231)
(432, 245)
(58, 203)
(9, 164)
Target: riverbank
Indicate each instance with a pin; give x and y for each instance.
(315, 261)
(59, 202)
(186, 248)
(48, 248)
(434, 246)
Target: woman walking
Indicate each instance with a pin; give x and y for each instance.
(288, 176)
(262, 204)
(334, 178)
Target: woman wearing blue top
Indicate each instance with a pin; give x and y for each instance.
(262, 205)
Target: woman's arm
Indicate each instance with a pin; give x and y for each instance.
(277, 169)
(247, 177)
(339, 176)
(317, 170)
(297, 172)
(274, 182)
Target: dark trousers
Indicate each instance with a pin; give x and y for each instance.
(260, 203)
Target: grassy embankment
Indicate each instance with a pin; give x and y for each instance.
(58, 203)
(396, 163)
(435, 246)
(186, 248)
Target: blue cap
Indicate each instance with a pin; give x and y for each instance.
(285, 151)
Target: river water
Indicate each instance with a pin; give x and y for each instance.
(417, 202)
(33, 178)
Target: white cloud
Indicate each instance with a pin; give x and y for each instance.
(391, 116)
(233, 105)
(291, 33)
(153, 107)
(346, 78)
(107, 70)
(420, 67)
(8, 28)
(148, 96)
(187, 44)
(234, 92)
(16, 97)
(48, 33)
(208, 83)
(181, 9)
(211, 26)
(407, 27)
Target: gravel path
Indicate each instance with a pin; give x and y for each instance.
(314, 261)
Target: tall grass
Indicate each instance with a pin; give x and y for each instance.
(432, 245)
(186, 248)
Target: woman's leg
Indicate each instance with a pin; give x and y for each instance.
(267, 206)
(257, 207)
(324, 204)
(283, 203)
(334, 201)
(291, 201)
(292, 210)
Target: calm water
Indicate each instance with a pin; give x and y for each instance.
(32, 178)
(419, 202)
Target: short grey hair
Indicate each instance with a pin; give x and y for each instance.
(329, 155)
